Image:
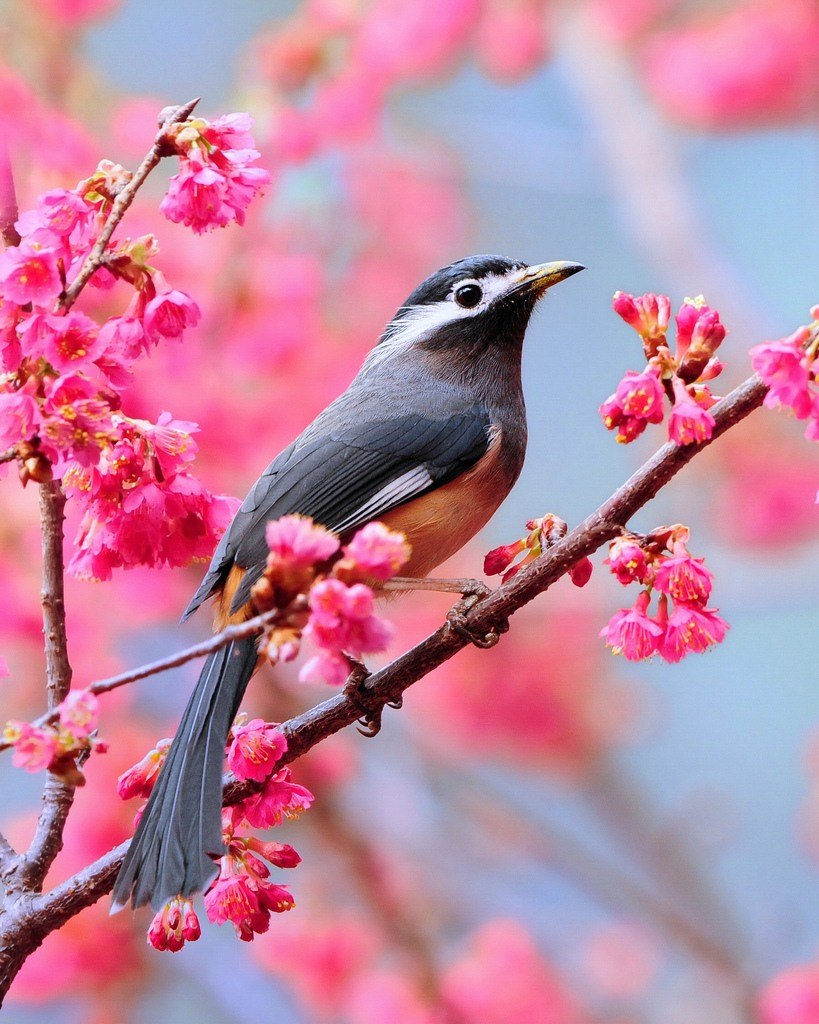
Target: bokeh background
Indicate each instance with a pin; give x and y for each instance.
(545, 833)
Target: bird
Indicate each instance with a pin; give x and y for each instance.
(428, 438)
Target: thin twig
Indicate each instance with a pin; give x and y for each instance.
(9, 454)
(387, 685)
(57, 794)
(95, 258)
(8, 199)
(238, 631)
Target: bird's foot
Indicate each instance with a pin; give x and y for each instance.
(465, 587)
(456, 620)
(369, 724)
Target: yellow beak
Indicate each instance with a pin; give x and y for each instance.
(541, 276)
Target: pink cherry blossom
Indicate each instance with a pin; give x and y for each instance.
(628, 561)
(691, 628)
(216, 182)
(378, 551)
(683, 578)
(648, 314)
(641, 395)
(140, 779)
(29, 274)
(79, 712)
(19, 416)
(297, 541)
(34, 747)
(785, 367)
(496, 560)
(169, 313)
(255, 749)
(69, 342)
(632, 632)
(174, 925)
(280, 798)
(689, 422)
(342, 619)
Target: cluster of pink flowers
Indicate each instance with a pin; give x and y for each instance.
(334, 66)
(61, 390)
(790, 368)
(543, 533)
(662, 563)
(242, 893)
(741, 64)
(56, 747)
(339, 619)
(681, 377)
(215, 182)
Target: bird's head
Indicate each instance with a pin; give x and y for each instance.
(469, 306)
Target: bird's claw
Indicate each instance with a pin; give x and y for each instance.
(456, 620)
(369, 724)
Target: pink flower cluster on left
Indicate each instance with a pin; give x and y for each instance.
(56, 747)
(63, 373)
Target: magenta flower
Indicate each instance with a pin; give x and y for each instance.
(648, 314)
(255, 749)
(231, 897)
(632, 632)
(691, 628)
(19, 416)
(168, 313)
(79, 712)
(174, 925)
(69, 342)
(378, 551)
(496, 560)
(784, 366)
(628, 561)
(29, 274)
(124, 336)
(279, 799)
(34, 747)
(689, 422)
(684, 578)
(342, 620)
(139, 780)
(297, 541)
(216, 182)
(641, 395)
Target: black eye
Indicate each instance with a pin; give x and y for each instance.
(468, 295)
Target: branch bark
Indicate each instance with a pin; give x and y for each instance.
(46, 912)
(57, 794)
(95, 258)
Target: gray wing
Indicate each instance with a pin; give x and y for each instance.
(344, 479)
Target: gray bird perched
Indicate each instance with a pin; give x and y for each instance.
(429, 438)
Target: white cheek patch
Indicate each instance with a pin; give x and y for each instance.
(419, 322)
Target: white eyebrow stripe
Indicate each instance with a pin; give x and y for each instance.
(418, 322)
(403, 487)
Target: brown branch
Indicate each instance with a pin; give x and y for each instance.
(9, 454)
(238, 631)
(8, 200)
(58, 795)
(387, 685)
(96, 257)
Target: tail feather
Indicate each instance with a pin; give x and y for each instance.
(182, 822)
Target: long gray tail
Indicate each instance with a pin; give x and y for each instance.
(182, 822)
